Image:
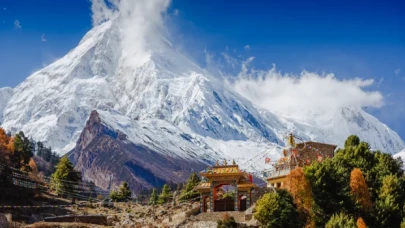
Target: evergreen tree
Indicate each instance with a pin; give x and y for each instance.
(179, 187)
(277, 210)
(188, 189)
(40, 149)
(54, 158)
(22, 151)
(389, 202)
(47, 154)
(123, 193)
(165, 195)
(65, 177)
(153, 198)
(352, 140)
(341, 220)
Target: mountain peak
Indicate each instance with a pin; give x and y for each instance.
(143, 87)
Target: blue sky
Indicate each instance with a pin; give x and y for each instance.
(349, 38)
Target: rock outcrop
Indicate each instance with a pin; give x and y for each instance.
(106, 157)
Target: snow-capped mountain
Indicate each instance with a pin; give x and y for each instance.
(400, 155)
(5, 95)
(160, 88)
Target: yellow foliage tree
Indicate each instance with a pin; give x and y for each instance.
(359, 190)
(5, 148)
(301, 191)
(360, 223)
(33, 166)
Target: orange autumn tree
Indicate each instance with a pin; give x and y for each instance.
(359, 190)
(301, 190)
(6, 146)
(360, 223)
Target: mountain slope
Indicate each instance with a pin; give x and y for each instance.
(400, 155)
(105, 154)
(5, 95)
(158, 87)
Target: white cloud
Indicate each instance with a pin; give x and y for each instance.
(17, 24)
(43, 39)
(296, 95)
(397, 71)
(101, 12)
(140, 23)
(247, 47)
(230, 60)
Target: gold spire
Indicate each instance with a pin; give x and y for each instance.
(225, 163)
(291, 141)
(233, 162)
(217, 163)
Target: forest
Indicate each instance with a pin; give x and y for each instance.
(358, 187)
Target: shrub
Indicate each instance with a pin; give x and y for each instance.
(277, 210)
(341, 220)
(227, 222)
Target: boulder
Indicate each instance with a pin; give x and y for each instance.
(5, 220)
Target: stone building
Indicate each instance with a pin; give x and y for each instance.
(297, 155)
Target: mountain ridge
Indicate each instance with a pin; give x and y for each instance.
(166, 89)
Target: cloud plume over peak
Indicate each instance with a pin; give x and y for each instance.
(298, 94)
(141, 24)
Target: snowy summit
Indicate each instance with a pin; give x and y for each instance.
(132, 74)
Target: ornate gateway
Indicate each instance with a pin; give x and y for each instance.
(214, 196)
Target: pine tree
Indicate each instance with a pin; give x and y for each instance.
(179, 187)
(153, 198)
(40, 149)
(188, 189)
(389, 202)
(277, 210)
(166, 194)
(352, 140)
(22, 151)
(124, 191)
(359, 190)
(341, 220)
(65, 177)
(47, 152)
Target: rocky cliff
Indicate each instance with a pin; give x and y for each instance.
(105, 156)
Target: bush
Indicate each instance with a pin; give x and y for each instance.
(277, 210)
(123, 194)
(227, 222)
(341, 220)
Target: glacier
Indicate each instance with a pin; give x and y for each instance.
(158, 89)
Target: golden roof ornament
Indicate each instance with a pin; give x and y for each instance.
(225, 163)
(291, 141)
(233, 162)
(217, 163)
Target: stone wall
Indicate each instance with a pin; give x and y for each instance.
(314, 151)
(92, 219)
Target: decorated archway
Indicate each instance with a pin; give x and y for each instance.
(228, 188)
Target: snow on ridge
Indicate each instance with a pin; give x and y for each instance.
(5, 95)
(400, 154)
(159, 136)
(192, 112)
